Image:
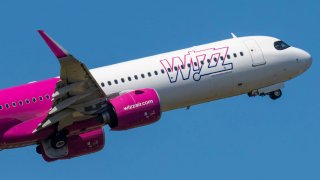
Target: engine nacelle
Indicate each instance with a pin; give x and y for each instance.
(136, 108)
(78, 145)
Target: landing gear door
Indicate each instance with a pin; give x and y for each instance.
(256, 53)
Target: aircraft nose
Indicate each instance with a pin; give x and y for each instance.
(305, 59)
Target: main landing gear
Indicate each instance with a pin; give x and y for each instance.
(59, 141)
(55, 146)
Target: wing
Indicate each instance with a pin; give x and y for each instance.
(77, 95)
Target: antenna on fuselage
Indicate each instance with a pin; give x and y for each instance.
(233, 35)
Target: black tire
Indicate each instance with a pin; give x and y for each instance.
(38, 149)
(59, 141)
(275, 94)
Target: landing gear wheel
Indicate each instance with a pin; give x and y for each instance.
(59, 141)
(275, 94)
(38, 149)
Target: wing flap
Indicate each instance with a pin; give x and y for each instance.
(70, 101)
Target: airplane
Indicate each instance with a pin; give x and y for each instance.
(64, 116)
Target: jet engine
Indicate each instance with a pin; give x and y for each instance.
(78, 145)
(133, 109)
(128, 110)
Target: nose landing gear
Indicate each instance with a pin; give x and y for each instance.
(275, 94)
(273, 91)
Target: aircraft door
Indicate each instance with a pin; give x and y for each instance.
(256, 53)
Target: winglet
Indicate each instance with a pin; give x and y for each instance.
(58, 50)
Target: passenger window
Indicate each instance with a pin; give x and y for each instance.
(20, 103)
(0, 107)
(129, 78)
(14, 104)
(40, 98)
(208, 60)
(109, 83)
(182, 66)
(7, 106)
(122, 80)
(47, 96)
(215, 59)
(27, 101)
(102, 84)
(149, 74)
(189, 65)
(162, 71)
(221, 57)
(176, 68)
(228, 56)
(234, 55)
(34, 99)
(169, 70)
(241, 53)
(135, 76)
(116, 81)
(195, 64)
(156, 73)
(202, 62)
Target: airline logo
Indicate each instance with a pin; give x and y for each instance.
(197, 64)
(137, 105)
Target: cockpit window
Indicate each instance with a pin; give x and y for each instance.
(280, 45)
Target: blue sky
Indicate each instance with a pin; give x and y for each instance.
(235, 138)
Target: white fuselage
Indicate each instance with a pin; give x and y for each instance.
(207, 72)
